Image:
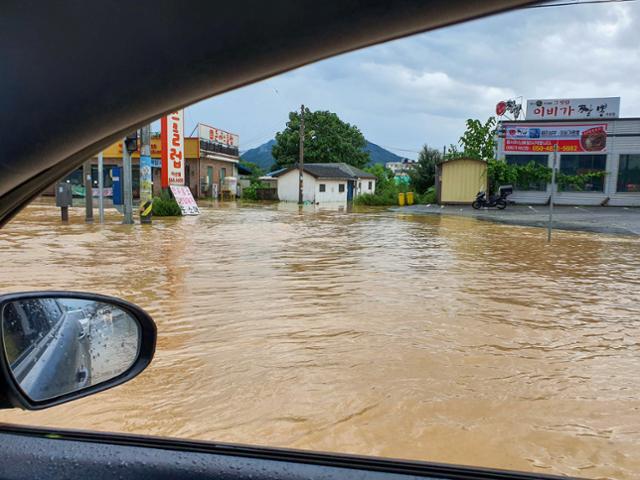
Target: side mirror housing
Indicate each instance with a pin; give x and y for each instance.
(59, 346)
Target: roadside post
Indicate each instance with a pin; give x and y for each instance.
(88, 191)
(146, 179)
(301, 159)
(553, 190)
(64, 198)
(100, 188)
(130, 144)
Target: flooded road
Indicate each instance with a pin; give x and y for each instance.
(435, 338)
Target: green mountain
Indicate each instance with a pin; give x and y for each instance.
(262, 157)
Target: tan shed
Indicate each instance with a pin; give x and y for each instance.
(460, 180)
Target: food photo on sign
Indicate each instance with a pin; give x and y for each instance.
(543, 138)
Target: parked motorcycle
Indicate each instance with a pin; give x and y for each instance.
(499, 201)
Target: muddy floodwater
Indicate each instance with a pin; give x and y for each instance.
(373, 332)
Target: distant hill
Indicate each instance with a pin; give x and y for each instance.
(262, 157)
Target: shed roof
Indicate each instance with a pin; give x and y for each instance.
(461, 158)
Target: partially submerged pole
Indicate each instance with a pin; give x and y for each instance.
(553, 190)
(100, 188)
(301, 159)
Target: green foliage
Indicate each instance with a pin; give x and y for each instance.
(578, 182)
(423, 174)
(327, 140)
(531, 174)
(500, 173)
(384, 176)
(427, 197)
(251, 192)
(478, 140)
(256, 171)
(165, 206)
(452, 153)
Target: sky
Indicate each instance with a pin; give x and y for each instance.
(421, 89)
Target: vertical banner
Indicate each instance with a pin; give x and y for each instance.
(146, 192)
(183, 196)
(173, 149)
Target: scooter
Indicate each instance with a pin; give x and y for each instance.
(499, 201)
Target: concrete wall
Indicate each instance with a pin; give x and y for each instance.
(332, 192)
(363, 186)
(288, 187)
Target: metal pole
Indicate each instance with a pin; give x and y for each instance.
(88, 191)
(127, 185)
(146, 190)
(553, 190)
(301, 159)
(100, 188)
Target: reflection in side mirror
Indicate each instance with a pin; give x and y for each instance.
(61, 345)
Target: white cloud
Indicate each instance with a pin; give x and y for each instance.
(421, 89)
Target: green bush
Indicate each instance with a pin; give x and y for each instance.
(251, 192)
(165, 206)
(427, 197)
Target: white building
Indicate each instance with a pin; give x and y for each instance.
(585, 145)
(403, 167)
(324, 183)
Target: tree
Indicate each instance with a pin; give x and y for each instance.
(327, 140)
(423, 175)
(478, 140)
(384, 176)
(256, 171)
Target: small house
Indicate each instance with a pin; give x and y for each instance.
(324, 183)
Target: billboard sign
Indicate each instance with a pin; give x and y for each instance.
(570, 138)
(215, 135)
(573, 109)
(172, 127)
(183, 196)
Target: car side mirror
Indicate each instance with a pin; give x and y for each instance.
(59, 346)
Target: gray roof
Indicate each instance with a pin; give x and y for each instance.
(342, 171)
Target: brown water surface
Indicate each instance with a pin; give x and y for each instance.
(424, 337)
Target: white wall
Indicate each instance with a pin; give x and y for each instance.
(288, 187)
(362, 186)
(332, 191)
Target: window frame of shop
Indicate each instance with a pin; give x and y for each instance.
(622, 183)
(580, 170)
(524, 159)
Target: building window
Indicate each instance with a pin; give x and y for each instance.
(370, 185)
(323, 187)
(223, 174)
(629, 173)
(359, 185)
(522, 160)
(341, 188)
(581, 164)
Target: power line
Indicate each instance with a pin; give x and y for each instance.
(567, 4)
(398, 149)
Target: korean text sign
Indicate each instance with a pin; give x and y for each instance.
(573, 108)
(570, 138)
(185, 200)
(215, 135)
(173, 149)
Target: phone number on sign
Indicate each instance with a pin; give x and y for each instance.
(549, 148)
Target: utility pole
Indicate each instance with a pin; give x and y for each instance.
(127, 184)
(100, 188)
(553, 190)
(88, 191)
(146, 185)
(301, 159)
